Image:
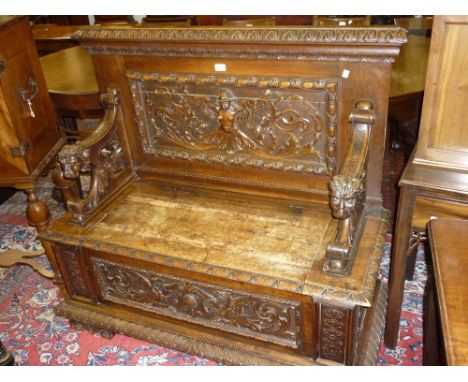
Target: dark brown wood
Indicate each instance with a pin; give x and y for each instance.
(71, 81)
(171, 21)
(6, 358)
(51, 38)
(406, 93)
(434, 182)
(114, 19)
(343, 21)
(450, 263)
(210, 129)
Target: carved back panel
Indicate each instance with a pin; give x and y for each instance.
(258, 108)
(285, 124)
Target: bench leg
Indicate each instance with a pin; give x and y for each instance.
(37, 212)
(398, 265)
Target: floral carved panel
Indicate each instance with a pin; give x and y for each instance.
(286, 124)
(333, 332)
(248, 314)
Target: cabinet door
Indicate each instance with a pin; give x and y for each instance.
(11, 166)
(22, 80)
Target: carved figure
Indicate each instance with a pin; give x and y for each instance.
(344, 191)
(226, 112)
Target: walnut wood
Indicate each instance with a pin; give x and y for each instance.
(51, 38)
(434, 182)
(408, 78)
(13, 257)
(450, 262)
(415, 23)
(250, 22)
(186, 152)
(71, 81)
(346, 192)
(341, 21)
(398, 265)
(409, 71)
(442, 135)
(28, 143)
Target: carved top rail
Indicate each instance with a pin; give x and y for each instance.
(289, 43)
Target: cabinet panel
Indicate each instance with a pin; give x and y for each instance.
(452, 91)
(28, 124)
(10, 165)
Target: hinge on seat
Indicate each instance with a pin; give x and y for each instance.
(20, 151)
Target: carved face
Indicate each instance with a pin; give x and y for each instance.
(71, 167)
(225, 104)
(343, 195)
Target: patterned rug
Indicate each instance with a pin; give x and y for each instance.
(36, 336)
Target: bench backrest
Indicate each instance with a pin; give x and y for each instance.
(257, 110)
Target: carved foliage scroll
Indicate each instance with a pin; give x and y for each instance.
(100, 154)
(333, 331)
(277, 123)
(235, 311)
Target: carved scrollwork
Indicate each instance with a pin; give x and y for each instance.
(248, 314)
(278, 123)
(333, 327)
(100, 155)
(347, 193)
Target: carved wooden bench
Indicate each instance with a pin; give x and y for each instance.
(234, 208)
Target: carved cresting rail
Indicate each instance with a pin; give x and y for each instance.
(100, 154)
(347, 193)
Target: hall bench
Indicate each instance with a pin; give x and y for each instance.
(234, 208)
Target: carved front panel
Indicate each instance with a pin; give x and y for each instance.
(333, 332)
(286, 124)
(247, 314)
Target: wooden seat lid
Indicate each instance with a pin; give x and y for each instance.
(243, 237)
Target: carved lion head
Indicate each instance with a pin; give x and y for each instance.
(344, 191)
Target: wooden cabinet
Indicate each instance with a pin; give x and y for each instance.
(435, 181)
(28, 128)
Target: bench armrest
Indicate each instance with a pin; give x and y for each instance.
(347, 192)
(100, 154)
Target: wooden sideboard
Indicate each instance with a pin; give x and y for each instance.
(435, 180)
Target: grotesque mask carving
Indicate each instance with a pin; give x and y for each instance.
(344, 192)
